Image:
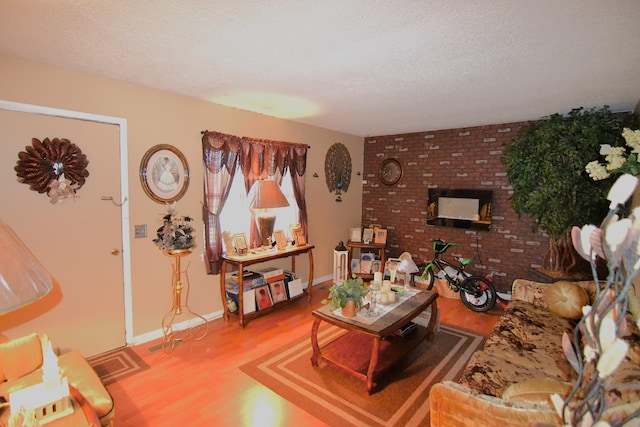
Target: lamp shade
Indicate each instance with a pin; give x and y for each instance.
(266, 194)
(23, 279)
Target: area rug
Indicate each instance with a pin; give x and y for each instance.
(336, 398)
(117, 364)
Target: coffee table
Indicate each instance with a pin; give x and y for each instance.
(372, 346)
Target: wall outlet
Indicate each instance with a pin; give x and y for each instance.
(140, 231)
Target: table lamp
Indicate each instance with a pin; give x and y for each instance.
(23, 279)
(264, 196)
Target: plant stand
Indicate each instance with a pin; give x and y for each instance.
(171, 335)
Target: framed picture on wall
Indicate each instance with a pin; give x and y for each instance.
(164, 173)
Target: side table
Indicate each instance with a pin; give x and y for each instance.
(170, 336)
(371, 247)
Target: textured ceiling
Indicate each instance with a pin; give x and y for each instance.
(360, 67)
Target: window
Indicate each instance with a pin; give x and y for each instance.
(235, 217)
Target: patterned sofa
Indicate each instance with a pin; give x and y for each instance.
(508, 382)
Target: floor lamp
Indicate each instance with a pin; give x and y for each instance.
(264, 196)
(23, 279)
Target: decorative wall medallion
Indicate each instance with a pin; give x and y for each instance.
(56, 167)
(337, 169)
(390, 171)
(164, 173)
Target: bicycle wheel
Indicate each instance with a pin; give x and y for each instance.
(478, 294)
(428, 277)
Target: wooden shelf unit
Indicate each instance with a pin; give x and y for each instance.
(242, 261)
(366, 247)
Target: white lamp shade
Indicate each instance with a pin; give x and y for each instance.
(23, 279)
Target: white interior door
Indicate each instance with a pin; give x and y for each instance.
(79, 241)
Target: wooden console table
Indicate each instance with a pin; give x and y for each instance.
(242, 261)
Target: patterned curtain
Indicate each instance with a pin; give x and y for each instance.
(256, 159)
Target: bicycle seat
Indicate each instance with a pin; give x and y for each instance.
(463, 261)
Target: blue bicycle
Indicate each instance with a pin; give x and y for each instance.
(477, 293)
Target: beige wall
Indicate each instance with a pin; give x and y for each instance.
(156, 117)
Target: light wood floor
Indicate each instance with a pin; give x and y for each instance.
(199, 383)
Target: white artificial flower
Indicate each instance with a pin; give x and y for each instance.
(616, 234)
(597, 171)
(605, 149)
(616, 158)
(611, 358)
(589, 353)
(632, 137)
(621, 190)
(582, 242)
(607, 333)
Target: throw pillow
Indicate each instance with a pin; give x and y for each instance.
(566, 299)
(536, 390)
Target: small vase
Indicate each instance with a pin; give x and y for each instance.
(349, 310)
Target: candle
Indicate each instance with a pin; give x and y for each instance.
(377, 277)
(386, 285)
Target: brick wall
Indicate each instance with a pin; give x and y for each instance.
(468, 158)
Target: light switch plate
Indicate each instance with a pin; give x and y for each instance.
(140, 231)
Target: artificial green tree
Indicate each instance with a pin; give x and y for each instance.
(546, 167)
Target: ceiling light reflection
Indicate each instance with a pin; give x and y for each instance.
(270, 104)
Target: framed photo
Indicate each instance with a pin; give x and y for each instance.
(281, 239)
(367, 235)
(164, 173)
(376, 266)
(355, 265)
(366, 261)
(263, 297)
(240, 243)
(355, 234)
(298, 237)
(380, 236)
(278, 291)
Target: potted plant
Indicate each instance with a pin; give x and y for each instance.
(546, 167)
(176, 233)
(348, 296)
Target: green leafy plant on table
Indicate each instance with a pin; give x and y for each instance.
(351, 289)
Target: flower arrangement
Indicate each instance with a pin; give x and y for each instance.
(619, 160)
(350, 289)
(596, 349)
(176, 231)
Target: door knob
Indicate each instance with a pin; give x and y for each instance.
(115, 252)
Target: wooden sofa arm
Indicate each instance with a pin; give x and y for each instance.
(453, 405)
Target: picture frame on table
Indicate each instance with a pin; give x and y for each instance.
(380, 237)
(355, 234)
(366, 261)
(281, 239)
(278, 291)
(355, 265)
(263, 297)
(298, 237)
(164, 173)
(240, 243)
(376, 266)
(367, 235)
